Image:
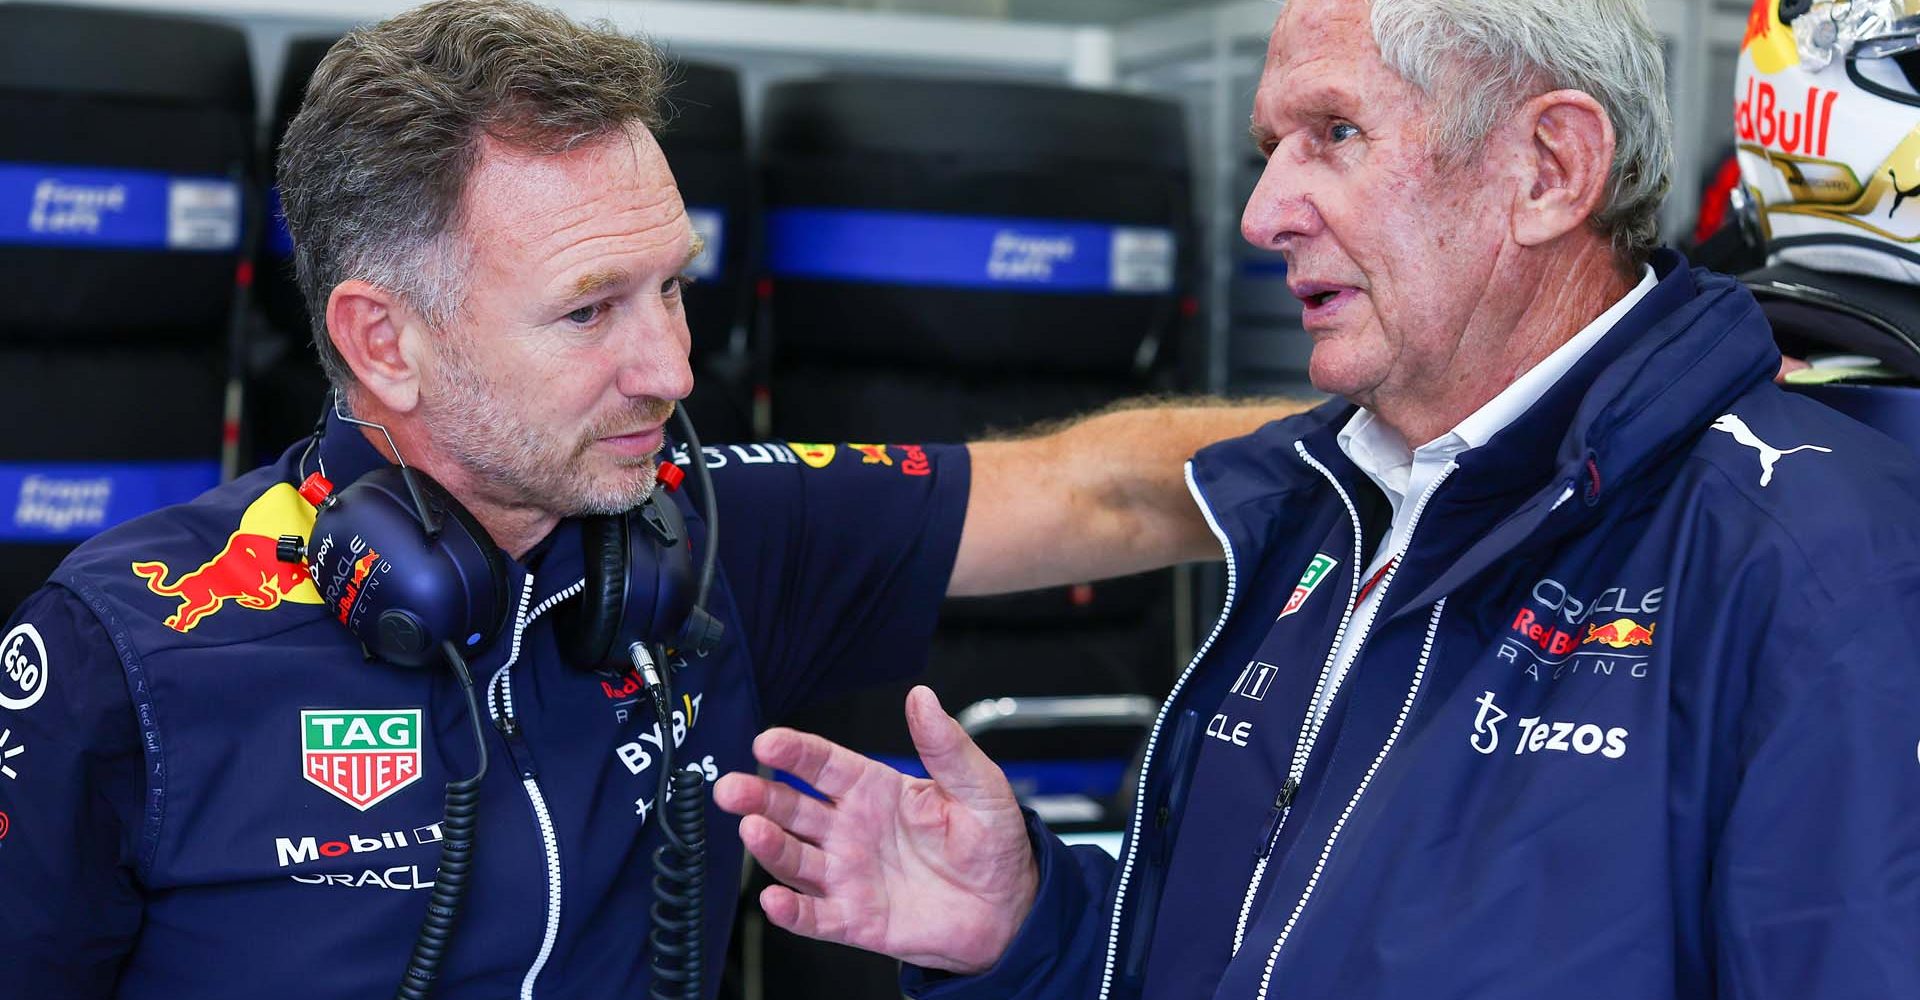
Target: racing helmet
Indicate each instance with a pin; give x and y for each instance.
(1827, 119)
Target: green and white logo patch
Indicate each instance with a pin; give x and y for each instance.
(1317, 571)
(361, 756)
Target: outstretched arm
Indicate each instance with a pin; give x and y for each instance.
(1102, 496)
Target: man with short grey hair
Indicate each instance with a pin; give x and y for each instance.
(1567, 657)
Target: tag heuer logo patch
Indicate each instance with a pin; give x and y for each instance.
(361, 756)
(1317, 571)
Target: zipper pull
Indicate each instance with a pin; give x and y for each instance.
(509, 728)
(517, 748)
(1281, 804)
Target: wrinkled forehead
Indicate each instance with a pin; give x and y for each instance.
(1307, 28)
(1321, 46)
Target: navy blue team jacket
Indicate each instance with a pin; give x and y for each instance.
(1638, 715)
(208, 792)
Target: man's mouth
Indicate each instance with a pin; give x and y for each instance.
(1321, 299)
(636, 444)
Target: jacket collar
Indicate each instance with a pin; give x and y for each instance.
(1695, 345)
(1692, 346)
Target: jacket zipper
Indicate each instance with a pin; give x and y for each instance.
(1320, 866)
(500, 707)
(1140, 803)
(1318, 715)
(1310, 726)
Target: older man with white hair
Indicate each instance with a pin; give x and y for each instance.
(1566, 657)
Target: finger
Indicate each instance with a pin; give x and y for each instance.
(738, 793)
(807, 916)
(827, 766)
(746, 794)
(951, 757)
(784, 856)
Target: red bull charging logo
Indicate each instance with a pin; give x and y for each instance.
(248, 571)
(1619, 633)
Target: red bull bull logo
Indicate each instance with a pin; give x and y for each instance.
(1620, 634)
(248, 571)
(872, 454)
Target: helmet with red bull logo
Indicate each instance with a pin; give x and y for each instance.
(1827, 116)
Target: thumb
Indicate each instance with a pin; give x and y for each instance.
(951, 757)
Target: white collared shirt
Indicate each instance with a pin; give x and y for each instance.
(1381, 453)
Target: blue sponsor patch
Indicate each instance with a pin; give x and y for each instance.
(72, 501)
(113, 209)
(1002, 254)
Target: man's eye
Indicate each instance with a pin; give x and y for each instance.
(1342, 131)
(675, 285)
(585, 314)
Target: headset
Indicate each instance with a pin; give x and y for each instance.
(415, 577)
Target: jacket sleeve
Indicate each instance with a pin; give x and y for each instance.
(1060, 950)
(839, 557)
(1816, 882)
(71, 792)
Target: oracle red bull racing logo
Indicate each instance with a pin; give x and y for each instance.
(1557, 634)
(247, 571)
(362, 568)
(361, 757)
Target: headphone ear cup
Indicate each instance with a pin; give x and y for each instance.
(589, 628)
(399, 588)
(480, 549)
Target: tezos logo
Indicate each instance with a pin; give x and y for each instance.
(23, 667)
(361, 757)
(1536, 736)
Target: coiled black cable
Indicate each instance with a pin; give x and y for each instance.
(456, 855)
(679, 892)
(677, 954)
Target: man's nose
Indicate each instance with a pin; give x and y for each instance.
(1279, 210)
(654, 360)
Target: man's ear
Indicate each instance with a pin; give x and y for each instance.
(1566, 165)
(381, 339)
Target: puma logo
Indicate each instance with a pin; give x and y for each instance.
(1899, 195)
(1737, 427)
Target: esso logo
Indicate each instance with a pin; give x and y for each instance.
(23, 668)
